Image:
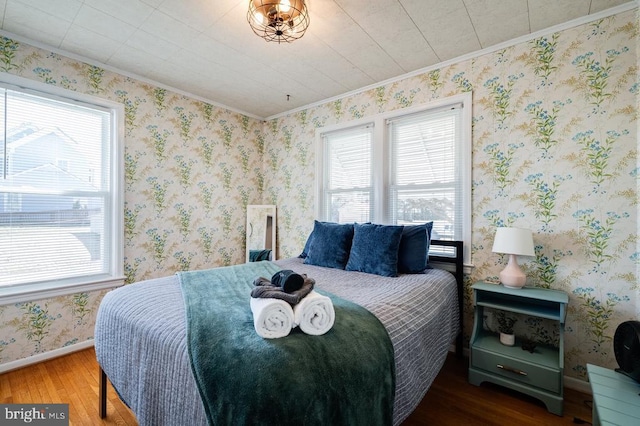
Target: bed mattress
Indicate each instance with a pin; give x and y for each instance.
(141, 341)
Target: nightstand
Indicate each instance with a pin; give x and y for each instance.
(538, 374)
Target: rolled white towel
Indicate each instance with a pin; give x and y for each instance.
(314, 314)
(272, 318)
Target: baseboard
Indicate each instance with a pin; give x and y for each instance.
(577, 384)
(569, 382)
(24, 362)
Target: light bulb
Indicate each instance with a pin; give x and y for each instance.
(285, 6)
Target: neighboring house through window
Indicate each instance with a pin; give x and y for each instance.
(60, 191)
(405, 167)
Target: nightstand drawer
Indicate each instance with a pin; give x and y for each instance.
(513, 369)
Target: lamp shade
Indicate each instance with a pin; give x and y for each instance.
(518, 241)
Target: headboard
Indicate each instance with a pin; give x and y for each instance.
(453, 264)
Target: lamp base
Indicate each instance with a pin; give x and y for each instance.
(512, 276)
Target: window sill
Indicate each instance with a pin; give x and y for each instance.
(27, 293)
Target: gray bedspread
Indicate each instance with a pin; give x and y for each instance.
(140, 337)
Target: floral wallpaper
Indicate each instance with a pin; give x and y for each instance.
(555, 149)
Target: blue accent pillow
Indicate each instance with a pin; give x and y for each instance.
(375, 249)
(307, 245)
(330, 245)
(414, 248)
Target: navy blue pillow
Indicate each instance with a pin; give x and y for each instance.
(307, 245)
(414, 248)
(375, 249)
(330, 245)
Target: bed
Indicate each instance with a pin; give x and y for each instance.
(141, 342)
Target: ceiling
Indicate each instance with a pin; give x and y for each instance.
(206, 47)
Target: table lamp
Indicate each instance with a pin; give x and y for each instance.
(514, 242)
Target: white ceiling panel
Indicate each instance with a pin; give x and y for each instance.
(496, 21)
(363, 52)
(152, 45)
(3, 5)
(547, 13)
(37, 24)
(230, 57)
(196, 62)
(403, 42)
(361, 8)
(600, 5)
(103, 23)
(196, 14)
(446, 26)
(154, 3)
(133, 12)
(376, 65)
(207, 48)
(165, 27)
(341, 71)
(63, 9)
(426, 12)
(452, 35)
(233, 23)
(87, 43)
(323, 85)
(172, 73)
(135, 61)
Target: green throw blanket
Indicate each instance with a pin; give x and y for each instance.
(346, 376)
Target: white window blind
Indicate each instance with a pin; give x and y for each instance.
(59, 205)
(426, 177)
(347, 175)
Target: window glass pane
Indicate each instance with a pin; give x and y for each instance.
(54, 189)
(349, 159)
(348, 168)
(422, 205)
(424, 150)
(50, 245)
(354, 206)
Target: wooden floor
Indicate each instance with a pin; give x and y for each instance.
(451, 400)
(73, 379)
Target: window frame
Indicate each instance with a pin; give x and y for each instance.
(115, 201)
(381, 159)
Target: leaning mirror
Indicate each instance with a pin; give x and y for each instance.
(261, 232)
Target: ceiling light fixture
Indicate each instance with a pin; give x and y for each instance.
(278, 20)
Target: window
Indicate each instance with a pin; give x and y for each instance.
(405, 167)
(60, 192)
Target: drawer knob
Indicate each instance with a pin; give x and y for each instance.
(511, 369)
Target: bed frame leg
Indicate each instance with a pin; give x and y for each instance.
(102, 394)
